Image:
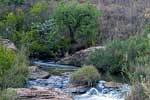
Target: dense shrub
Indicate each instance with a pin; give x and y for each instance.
(13, 68)
(77, 22)
(12, 1)
(87, 75)
(119, 54)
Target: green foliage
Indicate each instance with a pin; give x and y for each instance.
(147, 29)
(21, 21)
(44, 39)
(119, 54)
(7, 25)
(12, 1)
(39, 7)
(18, 26)
(8, 95)
(39, 11)
(78, 22)
(62, 32)
(87, 75)
(13, 68)
(7, 58)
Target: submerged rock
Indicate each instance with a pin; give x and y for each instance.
(40, 93)
(37, 73)
(52, 82)
(77, 89)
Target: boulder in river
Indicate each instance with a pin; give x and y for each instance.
(40, 93)
(80, 57)
(77, 89)
(112, 84)
(37, 73)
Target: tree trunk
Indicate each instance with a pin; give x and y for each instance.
(71, 33)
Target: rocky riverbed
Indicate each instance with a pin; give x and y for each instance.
(102, 91)
(39, 93)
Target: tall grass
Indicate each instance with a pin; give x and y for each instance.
(13, 74)
(8, 95)
(140, 80)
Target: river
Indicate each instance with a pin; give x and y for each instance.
(61, 81)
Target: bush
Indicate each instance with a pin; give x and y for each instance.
(13, 68)
(87, 75)
(119, 54)
(77, 22)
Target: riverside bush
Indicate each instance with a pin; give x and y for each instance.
(87, 75)
(119, 54)
(13, 68)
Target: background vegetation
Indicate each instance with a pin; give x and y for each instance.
(51, 33)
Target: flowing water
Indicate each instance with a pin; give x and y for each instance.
(104, 93)
(61, 81)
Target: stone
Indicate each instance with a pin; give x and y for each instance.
(112, 84)
(37, 73)
(79, 57)
(39, 93)
(147, 13)
(77, 89)
(8, 44)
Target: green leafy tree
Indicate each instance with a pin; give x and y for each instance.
(43, 40)
(76, 21)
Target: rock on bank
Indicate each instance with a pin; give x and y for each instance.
(40, 93)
